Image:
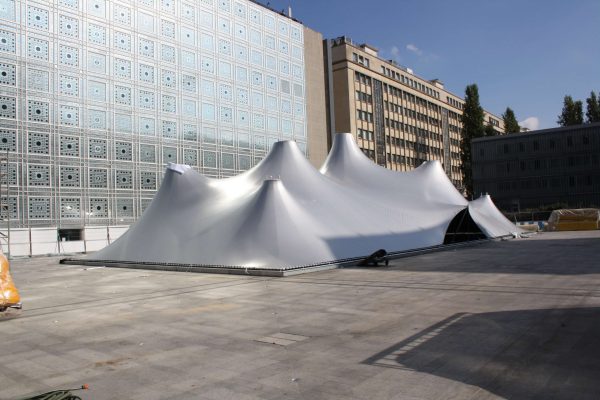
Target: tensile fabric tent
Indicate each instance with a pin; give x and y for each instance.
(284, 214)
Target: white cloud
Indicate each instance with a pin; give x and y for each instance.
(531, 123)
(395, 52)
(414, 49)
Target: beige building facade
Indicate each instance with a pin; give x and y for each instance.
(399, 119)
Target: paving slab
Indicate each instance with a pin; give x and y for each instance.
(516, 319)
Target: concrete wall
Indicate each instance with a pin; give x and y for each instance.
(316, 108)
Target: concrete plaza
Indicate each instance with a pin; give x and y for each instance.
(513, 319)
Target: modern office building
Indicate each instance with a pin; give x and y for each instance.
(96, 96)
(398, 118)
(538, 169)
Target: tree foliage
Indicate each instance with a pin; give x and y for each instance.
(593, 109)
(572, 112)
(511, 125)
(472, 127)
(489, 129)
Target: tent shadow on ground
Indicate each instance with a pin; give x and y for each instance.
(523, 354)
(523, 256)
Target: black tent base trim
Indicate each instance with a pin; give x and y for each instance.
(263, 271)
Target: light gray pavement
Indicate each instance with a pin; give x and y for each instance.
(513, 319)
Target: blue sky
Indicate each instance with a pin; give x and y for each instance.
(525, 54)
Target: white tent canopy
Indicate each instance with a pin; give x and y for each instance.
(284, 213)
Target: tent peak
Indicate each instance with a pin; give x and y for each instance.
(179, 168)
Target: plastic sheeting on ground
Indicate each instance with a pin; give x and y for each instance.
(581, 219)
(9, 295)
(285, 213)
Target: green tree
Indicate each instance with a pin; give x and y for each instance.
(572, 112)
(489, 129)
(472, 128)
(593, 109)
(511, 125)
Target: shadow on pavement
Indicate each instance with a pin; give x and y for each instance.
(523, 354)
(528, 256)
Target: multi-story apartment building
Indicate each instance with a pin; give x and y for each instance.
(96, 96)
(398, 118)
(558, 167)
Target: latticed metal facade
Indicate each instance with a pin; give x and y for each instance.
(97, 95)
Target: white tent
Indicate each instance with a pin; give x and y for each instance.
(284, 214)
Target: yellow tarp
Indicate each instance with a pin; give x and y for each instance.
(9, 295)
(582, 219)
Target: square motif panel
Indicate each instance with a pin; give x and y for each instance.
(122, 14)
(38, 143)
(225, 70)
(68, 85)
(190, 157)
(145, 22)
(122, 41)
(39, 175)
(169, 129)
(98, 208)
(69, 115)
(169, 154)
(96, 119)
(169, 103)
(96, 8)
(209, 135)
(147, 126)
(147, 180)
(124, 208)
(122, 68)
(167, 28)
(146, 47)
(69, 176)
(122, 95)
(68, 26)
(72, 4)
(39, 208)
(97, 148)
(188, 107)
(96, 91)
(208, 112)
(69, 146)
(168, 78)
(255, 16)
(123, 179)
(146, 99)
(96, 34)
(8, 140)
(8, 74)
(123, 123)
(68, 56)
(207, 42)
(70, 207)
(7, 41)
(187, 36)
(123, 151)
(38, 18)
(146, 73)
(190, 132)
(98, 178)
(7, 9)
(37, 111)
(147, 153)
(188, 12)
(188, 59)
(38, 48)
(188, 83)
(209, 159)
(167, 53)
(207, 19)
(96, 62)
